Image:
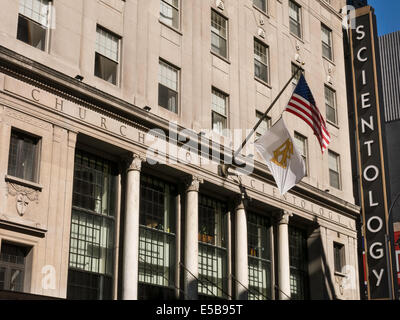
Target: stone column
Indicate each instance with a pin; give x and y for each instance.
(241, 250)
(131, 229)
(191, 250)
(283, 256)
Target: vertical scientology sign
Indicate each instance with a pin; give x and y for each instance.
(370, 154)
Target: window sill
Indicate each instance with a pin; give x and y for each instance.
(170, 111)
(171, 28)
(263, 82)
(333, 124)
(23, 182)
(329, 60)
(340, 274)
(221, 57)
(265, 13)
(296, 37)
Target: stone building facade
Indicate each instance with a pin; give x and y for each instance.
(93, 206)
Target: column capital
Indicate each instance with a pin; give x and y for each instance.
(283, 217)
(133, 162)
(192, 183)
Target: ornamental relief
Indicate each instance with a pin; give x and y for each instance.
(24, 196)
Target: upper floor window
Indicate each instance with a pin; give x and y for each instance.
(219, 34)
(169, 12)
(13, 267)
(260, 4)
(264, 125)
(107, 55)
(326, 35)
(301, 146)
(23, 158)
(296, 79)
(295, 18)
(261, 61)
(330, 103)
(168, 86)
(219, 111)
(33, 21)
(334, 169)
(339, 256)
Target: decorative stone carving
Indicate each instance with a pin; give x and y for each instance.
(193, 183)
(329, 74)
(284, 217)
(23, 195)
(134, 161)
(220, 4)
(261, 32)
(340, 282)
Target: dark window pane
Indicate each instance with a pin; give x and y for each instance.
(88, 286)
(298, 264)
(261, 4)
(91, 258)
(261, 70)
(12, 267)
(106, 69)
(31, 33)
(22, 156)
(167, 98)
(169, 14)
(212, 252)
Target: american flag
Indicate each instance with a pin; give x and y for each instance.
(302, 104)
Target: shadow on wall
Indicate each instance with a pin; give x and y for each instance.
(322, 285)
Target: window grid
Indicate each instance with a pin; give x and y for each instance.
(212, 247)
(264, 125)
(339, 256)
(91, 256)
(301, 146)
(36, 10)
(334, 169)
(260, 4)
(107, 44)
(156, 238)
(23, 156)
(219, 111)
(261, 61)
(295, 18)
(168, 87)
(219, 34)
(298, 264)
(330, 102)
(168, 76)
(12, 267)
(326, 35)
(294, 70)
(169, 12)
(259, 257)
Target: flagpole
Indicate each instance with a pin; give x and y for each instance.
(224, 167)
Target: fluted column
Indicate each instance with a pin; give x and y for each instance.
(241, 254)
(191, 251)
(283, 256)
(131, 230)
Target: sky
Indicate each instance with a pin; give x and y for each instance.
(387, 15)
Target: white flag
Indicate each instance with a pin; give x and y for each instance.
(284, 161)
